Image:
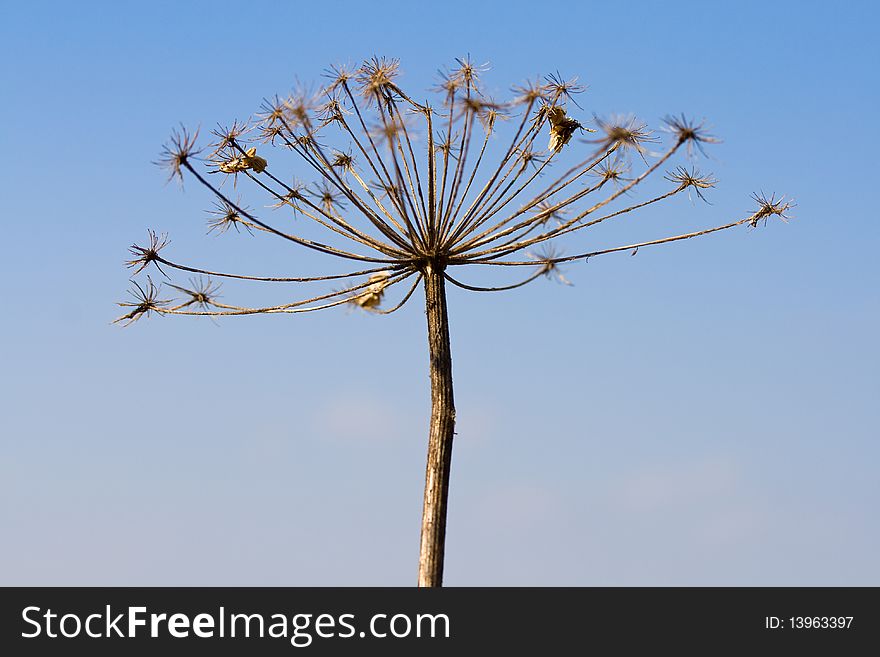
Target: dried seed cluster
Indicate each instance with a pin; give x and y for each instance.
(405, 184)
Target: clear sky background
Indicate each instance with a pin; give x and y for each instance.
(705, 413)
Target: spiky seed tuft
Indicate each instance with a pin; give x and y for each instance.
(329, 197)
(625, 131)
(202, 293)
(144, 255)
(468, 73)
(691, 179)
(770, 207)
(226, 216)
(229, 136)
(376, 79)
(561, 89)
(344, 161)
(547, 210)
(178, 151)
(339, 75)
(529, 92)
(613, 171)
(690, 132)
(546, 258)
(146, 301)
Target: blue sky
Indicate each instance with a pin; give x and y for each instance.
(703, 414)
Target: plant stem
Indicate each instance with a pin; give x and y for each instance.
(441, 431)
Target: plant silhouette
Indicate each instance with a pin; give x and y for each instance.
(412, 191)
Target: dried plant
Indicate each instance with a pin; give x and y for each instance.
(411, 190)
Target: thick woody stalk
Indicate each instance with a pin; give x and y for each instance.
(441, 431)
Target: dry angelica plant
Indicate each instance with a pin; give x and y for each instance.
(410, 191)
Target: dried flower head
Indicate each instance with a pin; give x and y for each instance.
(386, 189)
(202, 293)
(270, 133)
(307, 141)
(178, 151)
(329, 197)
(691, 179)
(226, 216)
(332, 110)
(468, 73)
(388, 131)
(339, 76)
(546, 258)
(144, 255)
(475, 105)
(340, 160)
(489, 114)
(376, 79)
(547, 210)
(613, 170)
(530, 157)
(299, 106)
(529, 92)
(769, 207)
(448, 146)
(289, 200)
(273, 112)
(625, 131)
(145, 302)
(448, 85)
(561, 89)
(689, 132)
(229, 136)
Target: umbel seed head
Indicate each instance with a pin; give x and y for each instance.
(403, 189)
